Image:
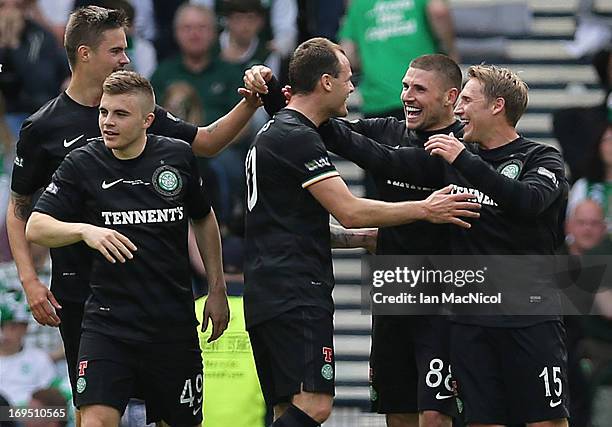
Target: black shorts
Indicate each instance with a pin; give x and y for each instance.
(293, 349)
(409, 365)
(168, 375)
(71, 316)
(511, 375)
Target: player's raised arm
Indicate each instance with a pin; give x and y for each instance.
(212, 139)
(350, 211)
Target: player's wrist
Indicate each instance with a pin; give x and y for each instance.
(30, 283)
(218, 289)
(422, 209)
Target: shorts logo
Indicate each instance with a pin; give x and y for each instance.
(327, 353)
(327, 371)
(511, 169)
(82, 367)
(167, 181)
(440, 396)
(81, 385)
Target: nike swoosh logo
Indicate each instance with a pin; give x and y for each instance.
(106, 186)
(196, 410)
(554, 404)
(72, 141)
(444, 396)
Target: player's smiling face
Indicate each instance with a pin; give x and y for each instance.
(474, 110)
(122, 120)
(423, 99)
(110, 54)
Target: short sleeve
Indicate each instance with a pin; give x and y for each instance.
(63, 197)
(308, 159)
(30, 162)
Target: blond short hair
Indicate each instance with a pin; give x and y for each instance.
(130, 82)
(499, 82)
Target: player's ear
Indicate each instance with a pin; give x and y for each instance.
(83, 53)
(451, 96)
(326, 82)
(498, 105)
(149, 118)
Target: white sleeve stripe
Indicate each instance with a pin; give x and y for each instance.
(321, 177)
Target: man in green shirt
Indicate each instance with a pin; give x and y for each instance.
(382, 36)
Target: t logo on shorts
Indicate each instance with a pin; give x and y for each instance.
(327, 353)
(82, 367)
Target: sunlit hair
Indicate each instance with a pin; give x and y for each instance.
(446, 69)
(86, 26)
(130, 82)
(310, 61)
(499, 82)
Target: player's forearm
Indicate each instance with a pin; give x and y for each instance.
(356, 238)
(525, 199)
(374, 213)
(410, 164)
(16, 218)
(47, 231)
(212, 139)
(208, 239)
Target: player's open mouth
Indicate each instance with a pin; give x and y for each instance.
(412, 112)
(110, 133)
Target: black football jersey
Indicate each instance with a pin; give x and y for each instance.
(522, 188)
(46, 137)
(419, 237)
(288, 256)
(149, 199)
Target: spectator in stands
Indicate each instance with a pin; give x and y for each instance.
(280, 31)
(578, 129)
(33, 66)
(47, 398)
(585, 227)
(216, 82)
(380, 40)
(197, 63)
(24, 369)
(588, 337)
(240, 41)
(597, 182)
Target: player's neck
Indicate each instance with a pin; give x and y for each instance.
(310, 107)
(498, 137)
(84, 90)
(444, 123)
(131, 150)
